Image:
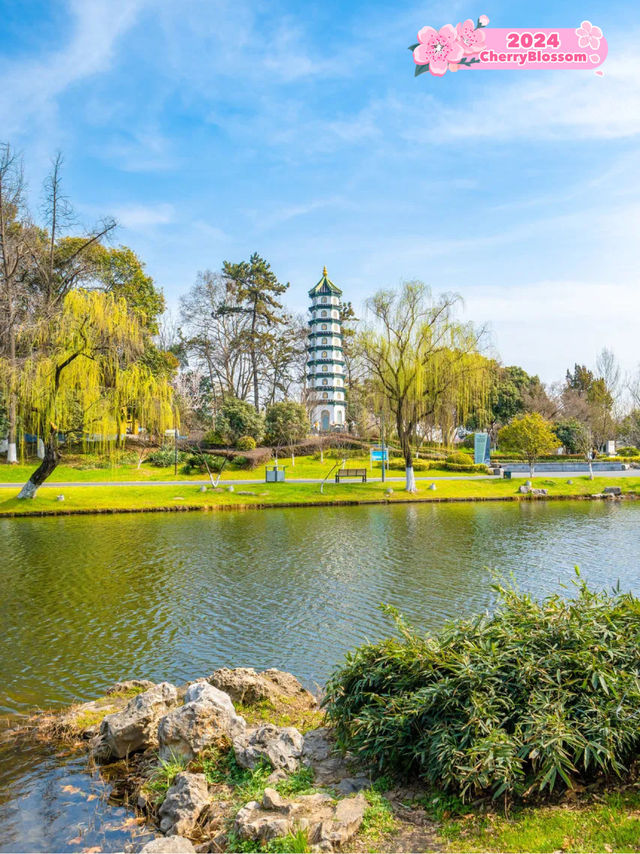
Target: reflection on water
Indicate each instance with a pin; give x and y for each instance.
(51, 802)
(88, 601)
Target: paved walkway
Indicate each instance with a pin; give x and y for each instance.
(521, 474)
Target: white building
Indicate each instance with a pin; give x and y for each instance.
(325, 363)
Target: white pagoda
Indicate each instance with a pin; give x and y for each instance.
(325, 363)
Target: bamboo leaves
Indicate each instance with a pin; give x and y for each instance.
(532, 698)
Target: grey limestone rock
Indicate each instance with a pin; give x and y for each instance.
(185, 802)
(135, 727)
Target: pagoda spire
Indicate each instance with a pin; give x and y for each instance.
(324, 270)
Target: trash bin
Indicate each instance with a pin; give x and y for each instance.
(274, 474)
(508, 474)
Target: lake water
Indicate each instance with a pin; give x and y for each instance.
(90, 600)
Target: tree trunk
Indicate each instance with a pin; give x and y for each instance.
(12, 450)
(404, 435)
(254, 361)
(46, 468)
(410, 479)
(532, 466)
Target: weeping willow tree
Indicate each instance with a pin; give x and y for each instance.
(425, 365)
(83, 377)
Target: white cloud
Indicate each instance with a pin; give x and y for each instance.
(29, 88)
(546, 326)
(144, 216)
(566, 104)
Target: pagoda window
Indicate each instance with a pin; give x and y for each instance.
(324, 314)
(324, 325)
(324, 340)
(324, 354)
(324, 367)
(324, 300)
(325, 395)
(325, 382)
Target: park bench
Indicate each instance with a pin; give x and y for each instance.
(362, 473)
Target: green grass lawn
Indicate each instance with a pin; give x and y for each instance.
(609, 823)
(305, 467)
(105, 498)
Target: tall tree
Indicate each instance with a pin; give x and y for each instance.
(530, 435)
(256, 289)
(422, 360)
(82, 375)
(61, 263)
(214, 341)
(15, 237)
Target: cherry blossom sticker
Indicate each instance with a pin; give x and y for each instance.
(469, 45)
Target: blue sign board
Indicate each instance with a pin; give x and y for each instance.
(481, 449)
(377, 455)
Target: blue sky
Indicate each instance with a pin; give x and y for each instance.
(214, 129)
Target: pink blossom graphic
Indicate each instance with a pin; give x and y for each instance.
(588, 35)
(437, 48)
(483, 21)
(472, 40)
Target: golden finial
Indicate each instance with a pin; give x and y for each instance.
(324, 271)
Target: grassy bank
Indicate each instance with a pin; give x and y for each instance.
(609, 821)
(83, 470)
(115, 498)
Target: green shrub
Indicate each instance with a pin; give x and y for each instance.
(459, 458)
(533, 697)
(471, 468)
(240, 462)
(629, 451)
(341, 454)
(418, 465)
(214, 437)
(246, 443)
(196, 463)
(164, 457)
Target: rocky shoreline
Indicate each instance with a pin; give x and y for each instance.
(239, 760)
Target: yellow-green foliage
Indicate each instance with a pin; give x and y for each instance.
(530, 435)
(425, 364)
(84, 371)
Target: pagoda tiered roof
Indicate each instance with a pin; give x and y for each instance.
(325, 287)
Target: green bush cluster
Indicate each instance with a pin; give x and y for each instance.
(341, 454)
(470, 468)
(628, 451)
(397, 464)
(459, 458)
(246, 443)
(199, 463)
(164, 457)
(533, 697)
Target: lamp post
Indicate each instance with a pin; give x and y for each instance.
(175, 443)
(382, 444)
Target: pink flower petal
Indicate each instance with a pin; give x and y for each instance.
(438, 67)
(581, 32)
(456, 53)
(448, 32)
(583, 41)
(586, 25)
(426, 34)
(596, 32)
(421, 55)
